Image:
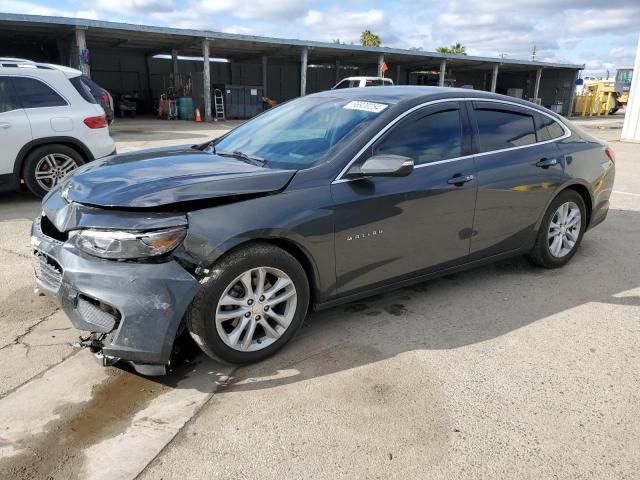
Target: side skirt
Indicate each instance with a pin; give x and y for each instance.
(394, 285)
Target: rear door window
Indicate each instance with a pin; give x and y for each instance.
(500, 128)
(36, 94)
(8, 99)
(547, 128)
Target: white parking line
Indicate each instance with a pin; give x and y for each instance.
(627, 193)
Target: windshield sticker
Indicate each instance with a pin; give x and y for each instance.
(366, 106)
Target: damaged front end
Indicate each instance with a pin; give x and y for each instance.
(131, 307)
(113, 246)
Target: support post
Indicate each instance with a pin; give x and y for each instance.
(398, 74)
(174, 67)
(631, 126)
(536, 88)
(206, 80)
(572, 95)
(81, 45)
(443, 71)
(380, 62)
(264, 76)
(494, 78)
(304, 57)
(337, 72)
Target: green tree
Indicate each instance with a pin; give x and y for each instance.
(456, 49)
(369, 39)
(337, 40)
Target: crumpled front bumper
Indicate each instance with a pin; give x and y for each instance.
(137, 306)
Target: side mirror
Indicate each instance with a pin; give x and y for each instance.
(383, 166)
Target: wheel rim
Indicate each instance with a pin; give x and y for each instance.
(52, 168)
(564, 229)
(256, 309)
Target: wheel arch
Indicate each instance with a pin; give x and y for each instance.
(297, 251)
(582, 190)
(74, 143)
(586, 197)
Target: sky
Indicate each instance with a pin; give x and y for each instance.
(602, 34)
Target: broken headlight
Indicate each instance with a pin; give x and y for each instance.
(128, 245)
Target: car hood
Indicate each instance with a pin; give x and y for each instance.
(162, 176)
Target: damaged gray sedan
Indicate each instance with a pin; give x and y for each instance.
(320, 201)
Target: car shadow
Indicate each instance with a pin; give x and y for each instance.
(457, 310)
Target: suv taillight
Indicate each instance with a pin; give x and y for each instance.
(96, 122)
(610, 153)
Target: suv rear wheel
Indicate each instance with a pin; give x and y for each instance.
(254, 302)
(47, 165)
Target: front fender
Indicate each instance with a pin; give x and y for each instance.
(301, 220)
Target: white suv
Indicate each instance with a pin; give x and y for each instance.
(49, 125)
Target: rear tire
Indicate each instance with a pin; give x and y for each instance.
(236, 324)
(560, 231)
(47, 165)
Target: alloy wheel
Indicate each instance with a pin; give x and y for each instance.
(52, 168)
(564, 229)
(256, 309)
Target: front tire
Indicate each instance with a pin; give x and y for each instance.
(251, 306)
(47, 165)
(561, 231)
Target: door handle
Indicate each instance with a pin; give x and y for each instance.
(547, 162)
(5, 125)
(458, 179)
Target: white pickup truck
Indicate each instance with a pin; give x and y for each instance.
(354, 82)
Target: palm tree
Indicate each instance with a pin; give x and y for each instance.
(456, 49)
(369, 39)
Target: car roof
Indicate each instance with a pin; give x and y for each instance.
(10, 62)
(413, 93)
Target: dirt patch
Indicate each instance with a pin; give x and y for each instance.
(396, 309)
(355, 307)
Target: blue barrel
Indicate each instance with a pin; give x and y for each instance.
(185, 108)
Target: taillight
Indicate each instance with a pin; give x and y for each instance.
(610, 153)
(96, 122)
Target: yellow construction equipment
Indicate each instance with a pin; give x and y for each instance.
(623, 84)
(604, 97)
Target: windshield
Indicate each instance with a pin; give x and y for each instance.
(624, 75)
(300, 133)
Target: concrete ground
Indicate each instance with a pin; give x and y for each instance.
(505, 371)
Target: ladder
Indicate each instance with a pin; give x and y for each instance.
(218, 102)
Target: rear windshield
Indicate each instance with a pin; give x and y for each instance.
(83, 85)
(378, 83)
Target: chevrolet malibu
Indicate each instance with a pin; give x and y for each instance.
(323, 200)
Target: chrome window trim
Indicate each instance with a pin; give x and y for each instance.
(567, 133)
